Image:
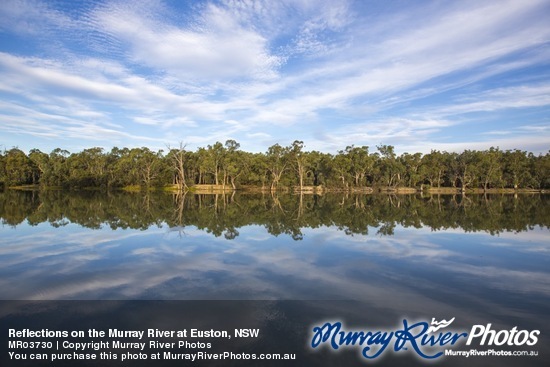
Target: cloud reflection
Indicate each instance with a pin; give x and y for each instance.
(46, 263)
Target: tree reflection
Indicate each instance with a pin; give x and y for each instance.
(223, 215)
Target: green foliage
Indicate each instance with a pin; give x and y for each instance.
(279, 168)
(18, 169)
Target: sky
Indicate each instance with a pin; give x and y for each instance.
(418, 75)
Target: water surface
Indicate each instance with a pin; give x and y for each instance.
(477, 258)
(66, 245)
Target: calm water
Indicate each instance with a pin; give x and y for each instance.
(476, 258)
(58, 245)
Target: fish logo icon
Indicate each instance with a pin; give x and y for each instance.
(439, 325)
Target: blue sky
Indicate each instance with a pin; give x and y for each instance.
(419, 75)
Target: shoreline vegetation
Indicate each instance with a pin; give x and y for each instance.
(307, 190)
(220, 168)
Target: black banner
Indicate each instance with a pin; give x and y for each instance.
(238, 333)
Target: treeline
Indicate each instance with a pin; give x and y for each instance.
(280, 214)
(353, 168)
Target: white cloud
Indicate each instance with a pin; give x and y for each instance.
(184, 70)
(211, 46)
(409, 59)
(502, 98)
(404, 133)
(32, 17)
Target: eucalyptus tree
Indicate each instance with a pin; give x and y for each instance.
(235, 162)
(148, 165)
(411, 164)
(122, 170)
(453, 168)
(540, 170)
(177, 157)
(18, 168)
(466, 167)
(191, 171)
(489, 167)
(516, 168)
(360, 163)
(391, 169)
(433, 168)
(299, 161)
(277, 163)
(201, 165)
(59, 174)
(226, 164)
(41, 173)
(258, 172)
(87, 168)
(215, 160)
(342, 166)
(115, 173)
(321, 167)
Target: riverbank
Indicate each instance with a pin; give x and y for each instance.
(317, 190)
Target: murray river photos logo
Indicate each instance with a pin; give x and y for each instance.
(426, 340)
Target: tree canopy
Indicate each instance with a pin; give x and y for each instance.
(279, 167)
